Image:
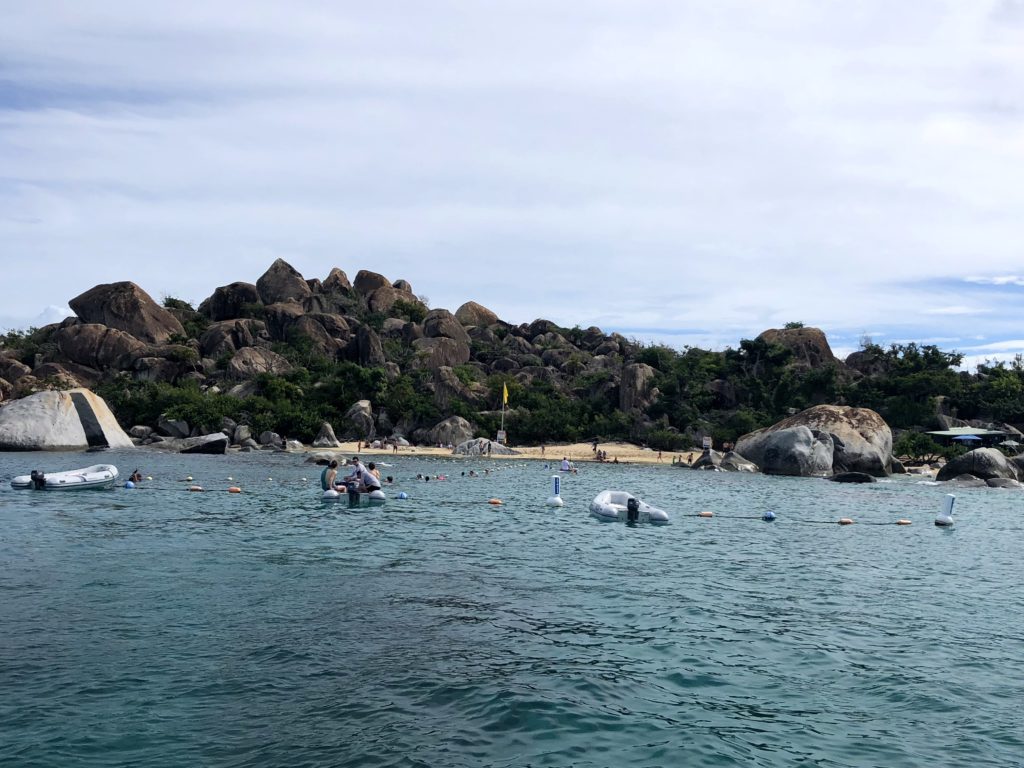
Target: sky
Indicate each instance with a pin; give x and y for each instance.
(681, 172)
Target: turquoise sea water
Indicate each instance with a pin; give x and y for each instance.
(157, 627)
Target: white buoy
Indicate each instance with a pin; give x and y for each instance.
(945, 516)
(555, 500)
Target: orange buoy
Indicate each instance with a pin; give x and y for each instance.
(903, 522)
(234, 489)
(845, 521)
(495, 502)
(706, 513)
(197, 488)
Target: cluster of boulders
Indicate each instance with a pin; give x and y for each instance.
(120, 329)
(224, 344)
(848, 445)
(822, 441)
(177, 435)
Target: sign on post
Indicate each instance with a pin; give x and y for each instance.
(501, 436)
(707, 442)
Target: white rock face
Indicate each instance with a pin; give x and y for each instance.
(72, 419)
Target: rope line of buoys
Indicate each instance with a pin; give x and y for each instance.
(770, 516)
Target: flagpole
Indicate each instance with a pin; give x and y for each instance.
(504, 400)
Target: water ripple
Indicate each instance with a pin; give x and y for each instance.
(159, 627)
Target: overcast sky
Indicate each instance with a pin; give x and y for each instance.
(679, 171)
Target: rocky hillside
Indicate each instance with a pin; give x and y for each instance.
(288, 353)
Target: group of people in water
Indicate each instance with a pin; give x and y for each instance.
(364, 478)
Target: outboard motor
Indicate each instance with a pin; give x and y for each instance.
(353, 494)
(38, 480)
(632, 510)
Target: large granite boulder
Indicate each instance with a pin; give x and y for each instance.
(337, 282)
(983, 463)
(57, 376)
(481, 446)
(861, 440)
(66, 420)
(451, 431)
(6, 388)
(366, 347)
(12, 369)
(437, 352)
(367, 282)
(252, 361)
(440, 323)
(637, 390)
(734, 462)
(472, 313)
(85, 375)
(359, 419)
(228, 336)
(281, 283)
(173, 428)
(867, 362)
(798, 451)
(158, 369)
(384, 299)
(326, 438)
(98, 346)
(329, 333)
(709, 459)
(215, 443)
(809, 346)
(230, 302)
(126, 307)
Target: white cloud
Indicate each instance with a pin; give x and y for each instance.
(722, 167)
(997, 280)
(958, 309)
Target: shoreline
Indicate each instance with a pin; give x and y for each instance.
(578, 453)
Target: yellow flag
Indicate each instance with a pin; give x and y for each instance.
(504, 394)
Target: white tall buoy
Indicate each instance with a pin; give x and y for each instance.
(945, 516)
(556, 488)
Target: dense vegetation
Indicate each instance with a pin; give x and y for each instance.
(722, 394)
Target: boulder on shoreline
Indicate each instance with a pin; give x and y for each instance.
(983, 463)
(60, 420)
(858, 440)
(481, 446)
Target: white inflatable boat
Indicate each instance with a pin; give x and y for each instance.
(619, 505)
(373, 497)
(96, 476)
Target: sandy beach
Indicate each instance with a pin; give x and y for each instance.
(626, 453)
